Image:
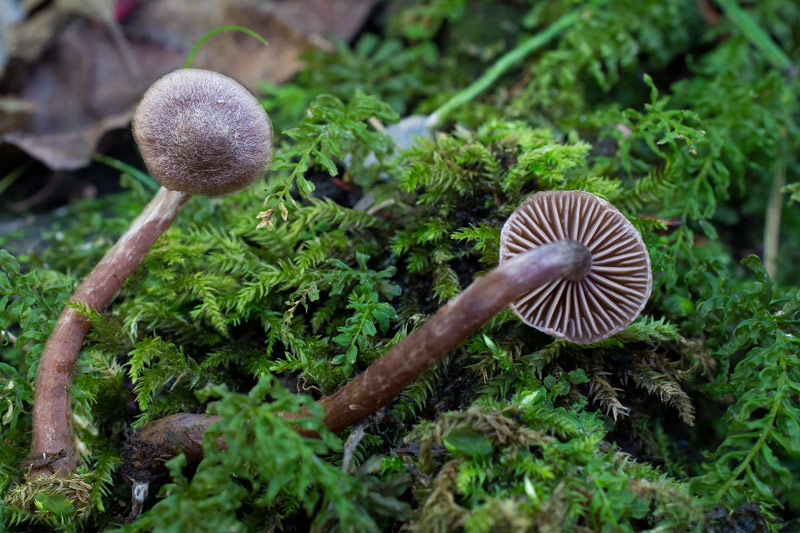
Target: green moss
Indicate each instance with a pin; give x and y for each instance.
(694, 405)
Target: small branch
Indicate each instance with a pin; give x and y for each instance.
(52, 431)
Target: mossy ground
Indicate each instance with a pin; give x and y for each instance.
(666, 109)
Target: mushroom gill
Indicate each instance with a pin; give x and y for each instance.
(617, 285)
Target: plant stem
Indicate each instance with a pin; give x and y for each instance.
(452, 324)
(7, 335)
(135, 173)
(757, 36)
(778, 58)
(14, 175)
(762, 438)
(52, 431)
(199, 44)
(772, 224)
(388, 376)
(508, 60)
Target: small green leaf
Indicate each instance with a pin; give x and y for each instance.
(54, 503)
(468, 443)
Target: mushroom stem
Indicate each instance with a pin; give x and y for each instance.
(388, 376)
(52, 431)
(453, 323)
(149, 448)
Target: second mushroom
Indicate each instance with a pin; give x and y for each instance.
(571, 265)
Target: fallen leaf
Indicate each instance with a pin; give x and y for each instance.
(85, 80)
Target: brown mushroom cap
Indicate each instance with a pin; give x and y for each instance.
(617, 285)
(202, 133)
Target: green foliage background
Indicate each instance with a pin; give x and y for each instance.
(664, 108)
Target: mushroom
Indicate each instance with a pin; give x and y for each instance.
(199, 132)
(587, 308)
(570, 265)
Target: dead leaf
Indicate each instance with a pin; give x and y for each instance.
(79, 89)
(84, 80)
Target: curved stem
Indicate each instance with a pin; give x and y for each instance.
(388, 376)
(52, 431)
(149, 448)
(452, 324)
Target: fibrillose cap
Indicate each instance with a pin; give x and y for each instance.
(618, 284)
(202, 133)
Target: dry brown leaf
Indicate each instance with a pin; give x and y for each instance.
(83, 80)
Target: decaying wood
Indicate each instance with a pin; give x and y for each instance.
(159, 441)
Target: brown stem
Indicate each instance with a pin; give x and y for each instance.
(395, 370)
(457, 320)
(52, 431)
(159, 441)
